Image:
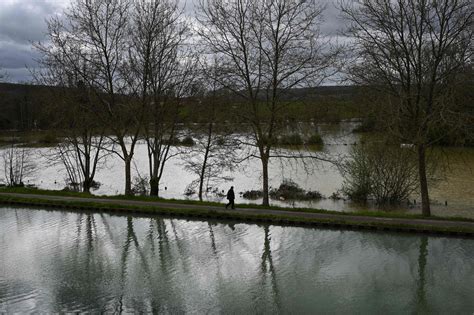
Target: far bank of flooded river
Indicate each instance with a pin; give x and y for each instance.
(456, 189)
(73, 262)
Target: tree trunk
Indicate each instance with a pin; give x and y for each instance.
(202, 176)
(425, 200)
(154, 177)
(266, 201)
(154, 186)
(201, 185)
(422, 305)
(128, 176)
(86, 185)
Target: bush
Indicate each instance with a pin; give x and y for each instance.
(172, 141)
(315, 139)
(289, 190)
(368, 125)
(252, 194)
(140, 186)
(48, 138)
(313, 195)
(293, 139)
(188, 141)
(384, 173)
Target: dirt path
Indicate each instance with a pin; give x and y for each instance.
(252, 211)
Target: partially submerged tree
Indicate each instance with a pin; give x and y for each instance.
(412, 51)
(18, 165)
(93, 38)
(215, 147)
(265, 48)
(381, 172)
(70, 112)
(81, 156)
(162, 71)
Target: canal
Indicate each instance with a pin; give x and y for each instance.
(59, 261)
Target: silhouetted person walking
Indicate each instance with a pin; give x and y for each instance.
(230, 197)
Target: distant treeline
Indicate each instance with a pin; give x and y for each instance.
(21, 106)
(24, 107)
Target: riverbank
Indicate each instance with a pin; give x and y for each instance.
(246, 213)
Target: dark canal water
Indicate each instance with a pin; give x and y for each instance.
(54, 261)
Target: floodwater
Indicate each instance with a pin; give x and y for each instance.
(58, 262)
(456, 189)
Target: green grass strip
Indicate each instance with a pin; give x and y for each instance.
(372, 214)
(281, 219)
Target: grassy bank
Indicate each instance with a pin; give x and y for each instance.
(373, 214)
(339, 219)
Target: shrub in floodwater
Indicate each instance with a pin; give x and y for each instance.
(188, 141)
(313, 195)
(336, 196)
(289, 190)
(189, 191)
(387, 174)
(252, 194)
(48, 138)
(292, 139)
(315, 139)
(368, 124)
(78, 187)
(95, 185)
(140, 186)
(172, 141)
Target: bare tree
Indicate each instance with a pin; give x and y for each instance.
(81, 156)
(93, 39)
(412, 50)
(69, 109)
(265, 48)
(163, 72)
(165, 117)
(18, 165)
(215, 146)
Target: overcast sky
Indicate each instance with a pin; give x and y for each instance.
(23, 22)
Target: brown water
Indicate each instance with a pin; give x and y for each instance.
(457, 189)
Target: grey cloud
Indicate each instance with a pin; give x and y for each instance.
(19, 75)
(189, 6)
(24, 21)
(14, 55)
(333, 23)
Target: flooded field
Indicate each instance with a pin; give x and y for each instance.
(456, 189)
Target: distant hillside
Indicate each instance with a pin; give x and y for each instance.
(21, 105)
(322, 91)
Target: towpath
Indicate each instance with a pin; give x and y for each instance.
(423, 225)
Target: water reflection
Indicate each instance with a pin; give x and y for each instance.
(421, 292)
(268, 269)
(84, 262)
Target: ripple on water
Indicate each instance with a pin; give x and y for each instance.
(67, 262)
(17, 296)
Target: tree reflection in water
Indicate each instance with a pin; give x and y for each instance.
(421, 302)
(268, 268)
(83, 262)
